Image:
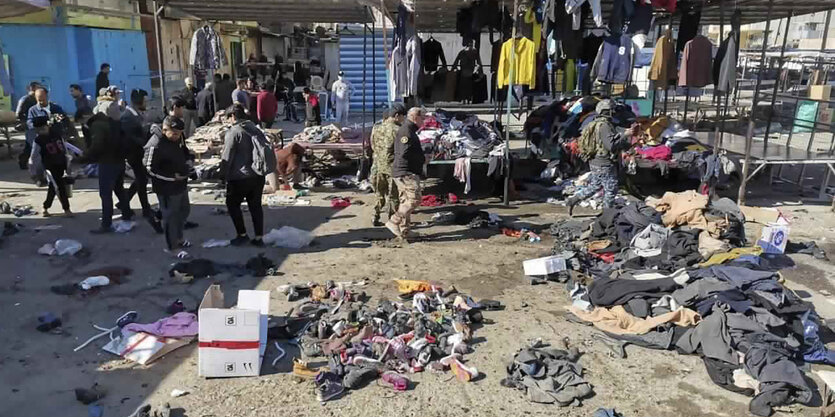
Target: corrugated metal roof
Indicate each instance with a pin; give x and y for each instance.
(276, 11)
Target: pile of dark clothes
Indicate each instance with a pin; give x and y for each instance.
(427, 328)
(548, 376)
(258, 266)
(679, 277)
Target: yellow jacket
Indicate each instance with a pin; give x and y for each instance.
(524, 66)
(663, 66)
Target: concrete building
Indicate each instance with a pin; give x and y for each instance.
(805, 32)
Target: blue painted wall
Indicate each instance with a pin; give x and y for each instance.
(62, 55)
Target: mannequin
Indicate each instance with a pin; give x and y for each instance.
(468, 59)
(341, 93)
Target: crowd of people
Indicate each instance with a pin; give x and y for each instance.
(118, 134)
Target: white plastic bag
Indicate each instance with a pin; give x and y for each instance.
(97, 281)
(288, 237)
(47, 249)
(122, 226)
(67, 247)
(216, 243)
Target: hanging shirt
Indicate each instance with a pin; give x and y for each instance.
(524, 68)
(641, 19)
(696, 64)
(432, 52)
(663, 63)
(573, 7)
(688, 28)
(614, 61)
(536, 28)
(414, 62)
(724, 66)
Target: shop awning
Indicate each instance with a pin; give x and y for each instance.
(13, 8)
(277, 11)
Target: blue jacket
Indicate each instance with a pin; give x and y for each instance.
(614, 61)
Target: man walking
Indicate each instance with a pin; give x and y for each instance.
(166, 160)
(23, 105)
(406, 170)
(107, 149)
(267, 105)
(103, 78)
(241, 96)
(246, 160)
(49, 146)
(42, 108)
(206, 104)
(382, 146)
(223, 91)
(137, 131)
(189, 96)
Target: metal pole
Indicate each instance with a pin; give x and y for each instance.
(373, 69)
(686, 103)
(820, 58)
(655, 87)
(160, 64)
(716, 90)
(509, 95)
(776, 82)
(749, 139)
(364, 73)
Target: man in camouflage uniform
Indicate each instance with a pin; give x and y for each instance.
(382, 145)
(603, 150)
(407, 169)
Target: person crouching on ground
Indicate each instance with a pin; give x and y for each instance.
(245, 174)
(383, 137)
(49, 147)
(107, 150)
(406, 170)
(601, 145)
(166, 160)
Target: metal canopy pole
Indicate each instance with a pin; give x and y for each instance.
(716, 90)
(667, 82)
(776, 82)
(373, 69)
(160, 64)
(749, 137)
(364, 74)
(820, 63)
(509, 95)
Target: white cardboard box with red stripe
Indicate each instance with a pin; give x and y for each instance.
(232, 341)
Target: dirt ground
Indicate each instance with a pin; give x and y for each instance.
(39, 371)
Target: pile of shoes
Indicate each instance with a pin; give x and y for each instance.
(427, 328)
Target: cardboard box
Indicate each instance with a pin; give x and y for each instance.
(544, 266)
(232, 341)
(774, 238)
(764, 216)
(820, 92)
(144, 348)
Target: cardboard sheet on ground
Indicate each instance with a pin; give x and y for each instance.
(144, 348)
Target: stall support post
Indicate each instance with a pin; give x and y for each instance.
(776, 82)
(686, 103)
(373, 68)
(749, 137)
(820, 66)
(157, 11)
(507, 119)
(716, 96)
(364, 86)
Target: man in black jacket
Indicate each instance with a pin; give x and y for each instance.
(103, 79)
(406, 170)
(166, 160)
(137, 131)
(205, 104)
(107, 149)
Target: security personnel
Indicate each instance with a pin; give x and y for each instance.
(383, 137)
(406, 171)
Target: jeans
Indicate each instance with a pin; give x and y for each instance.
(61, 185)
(251, 190)
(342, 109)
(111, 177)
(139, 187)
(175, 210)
(190, 119)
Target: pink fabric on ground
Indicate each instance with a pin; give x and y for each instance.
(178, 325)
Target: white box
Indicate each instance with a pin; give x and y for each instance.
(544, 266)
(774, 238)
(232, 341)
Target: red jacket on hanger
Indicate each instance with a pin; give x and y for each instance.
(669, 5)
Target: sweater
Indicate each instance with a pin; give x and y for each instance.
(524, 66)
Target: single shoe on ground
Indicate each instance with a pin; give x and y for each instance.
(301, 369)
(328, 386)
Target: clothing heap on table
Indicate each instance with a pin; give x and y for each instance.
(328, 134)
(676, 273)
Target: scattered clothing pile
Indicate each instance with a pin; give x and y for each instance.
(320, 134)
(452, 135)
(675, 274)
(548, 376)
(429, 328)
(187, 271)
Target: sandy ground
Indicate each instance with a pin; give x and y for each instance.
(39, 371)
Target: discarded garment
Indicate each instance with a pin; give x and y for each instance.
(709, 246)
(781, 382)
(680, 209)
(609, 292)
(721, 258)
(548, 376)
(617, 320)
(650, 241)
(655, 153)
(178, 325)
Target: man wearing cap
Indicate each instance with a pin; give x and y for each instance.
(189, 96)
(603, 148)
(383, 137)
(166, 160)
(406, 170)
(342, 90)
(108, 150)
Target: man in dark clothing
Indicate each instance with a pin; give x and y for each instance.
(223, 91)
(137, 131)
(23, 105)
(607, 145)
(166, 160)
(189, 96)
(107, 149)
(83, 110)
(53, 158)
(103, 80)
(242, 182)
(205, 104)
(406, 170)
(284, 91)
